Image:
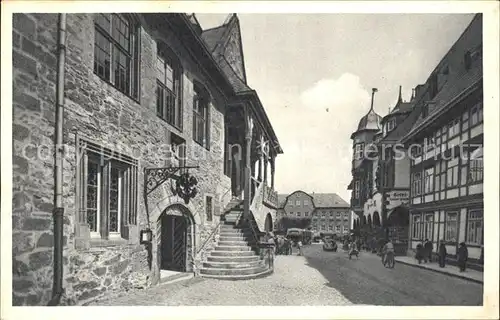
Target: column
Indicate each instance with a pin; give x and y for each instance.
(272, 171)
(237, 164)
(266, 162)
(248, 163)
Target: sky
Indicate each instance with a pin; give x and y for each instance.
(314, 74)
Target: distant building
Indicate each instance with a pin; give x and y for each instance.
(327, 212)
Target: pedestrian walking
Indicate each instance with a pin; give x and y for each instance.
(420, 253)
(299, 245)
(428, 250)
(462, 256)
(442, 254)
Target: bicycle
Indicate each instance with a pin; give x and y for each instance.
(389, 260)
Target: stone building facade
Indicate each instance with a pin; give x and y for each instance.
(140, 91)
(327, 212)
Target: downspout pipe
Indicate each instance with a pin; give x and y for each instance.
(58, 213)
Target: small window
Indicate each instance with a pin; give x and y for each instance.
(209, 208)
(391, 124)
(416, 227)
(201, 124)
(451, 227)
(467, 60)
(425, 111)
(298, 214)
(475, 227)
(297, 202)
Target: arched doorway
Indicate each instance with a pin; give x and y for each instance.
(268, 225)
(399, 217)
(176, 239)
(376, 219)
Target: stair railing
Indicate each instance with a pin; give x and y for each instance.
(264, 250)
(216, 229)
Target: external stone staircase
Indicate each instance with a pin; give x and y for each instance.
(233, 257)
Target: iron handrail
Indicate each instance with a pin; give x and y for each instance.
(214, 230)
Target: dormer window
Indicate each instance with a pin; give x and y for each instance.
(425, 111)
(467, 60)
(391, 124)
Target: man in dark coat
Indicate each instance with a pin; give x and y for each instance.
(420, 254)
(442, 254)
(462, 256)
(428, 250)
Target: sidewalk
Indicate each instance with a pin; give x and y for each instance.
(469, 274)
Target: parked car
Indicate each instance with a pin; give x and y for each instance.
(330, 245)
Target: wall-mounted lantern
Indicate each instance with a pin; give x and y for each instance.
(146, 236)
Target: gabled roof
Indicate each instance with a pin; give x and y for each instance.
(403, 128)
(451, 89)
(282, 200)
(329, 200)
(213, 36)
(238, 84)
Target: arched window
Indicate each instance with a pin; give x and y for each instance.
(116, 51)
(169, 87)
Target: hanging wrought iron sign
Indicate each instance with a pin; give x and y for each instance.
(154, 177)
(185, 187)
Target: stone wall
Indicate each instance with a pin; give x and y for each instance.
(98, 112)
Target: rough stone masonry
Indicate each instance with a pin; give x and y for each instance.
(96, 110)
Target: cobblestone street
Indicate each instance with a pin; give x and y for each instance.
(317, 279)
(293, 283)
(367, 281)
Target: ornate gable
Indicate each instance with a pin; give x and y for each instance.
(232, 49)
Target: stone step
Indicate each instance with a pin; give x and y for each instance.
(230, 226)
(246, 253)
(232, 248)
(238, 277)
(233, 238)
(233, 265)
(236, 259)
(237, 272)
(233, 243)
(234, 233)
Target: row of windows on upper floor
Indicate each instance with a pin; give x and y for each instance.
(340, 229)
(116, 60)
(323, 214)
(469, 119)
(298, 203)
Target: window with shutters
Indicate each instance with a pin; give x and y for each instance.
(201, 124)
(168, 87)
(116, 51)
(106, 191)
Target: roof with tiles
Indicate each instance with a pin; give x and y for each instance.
(282, 200)
(451, 89)
(329, 200)
(238, 84)
(213, 36)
